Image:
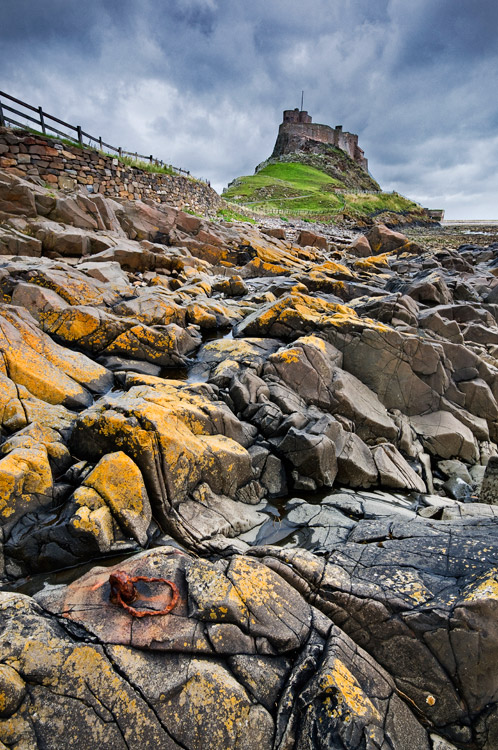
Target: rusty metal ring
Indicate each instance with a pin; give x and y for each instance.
(122, 579)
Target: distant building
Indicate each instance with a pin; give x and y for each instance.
(436, 213)
(297, 128)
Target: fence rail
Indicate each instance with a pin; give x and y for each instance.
(80, 134)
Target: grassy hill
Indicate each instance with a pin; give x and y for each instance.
(325, 186)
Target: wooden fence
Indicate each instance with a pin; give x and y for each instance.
(44, 121)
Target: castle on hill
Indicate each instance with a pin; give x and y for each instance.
(297, 133)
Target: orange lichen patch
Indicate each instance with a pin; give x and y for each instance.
(12, 414)
(330, 268)
(140, 341)
(97, 523)
(199, 316)
(349, 696)
(73, 324)
(372, 263)
(100, 331)
(226, 368)
(178, 434)
(314, 341)
(119, 483)
(73, 287)
(25, 476)
(265, 268)
(239, 350)
(209, 313)
(288, 356)
(48, 370)
(279, 257)
(118, 480)
(35, 435)
(483, 588)
(349, 317)
(309, 308)
(41, 378)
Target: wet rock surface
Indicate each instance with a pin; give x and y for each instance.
(267, 458)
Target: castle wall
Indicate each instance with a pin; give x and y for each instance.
(65, 166)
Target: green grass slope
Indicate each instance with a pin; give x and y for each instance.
(327, 186)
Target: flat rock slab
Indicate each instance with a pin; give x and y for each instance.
(239, 607)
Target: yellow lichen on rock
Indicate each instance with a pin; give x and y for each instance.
(12, 690)
(409, 584)
(483, 588)
(348, 693)
(97, 523)
(25, 481)
(119, 482)
(372, 263)
(47, 370)
(212, 703)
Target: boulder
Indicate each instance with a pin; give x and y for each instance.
(143, 222)
(384, 240)
(74, 287)
(26, 482)
(37, 300)
(67, 241)
(445, 436)
(312, 456)
(395, 586)
(489, 488)
(16, 196)
(47, 370)
(13, 242)
(305, 238)
(179, 436)
(118, 481)
(394, 471)
(102, 333)
(360, 247)
(355, 464)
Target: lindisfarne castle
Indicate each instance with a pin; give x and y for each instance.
(297, 131)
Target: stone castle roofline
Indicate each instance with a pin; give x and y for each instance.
(297, 126)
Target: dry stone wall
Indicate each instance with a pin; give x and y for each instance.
(65, 167)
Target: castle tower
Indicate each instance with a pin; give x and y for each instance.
(294, 115)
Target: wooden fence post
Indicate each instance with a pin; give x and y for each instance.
(42, 121)
(120, 151)
(80, 136)
(2, 119)
(100, 142)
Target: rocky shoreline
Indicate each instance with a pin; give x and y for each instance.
(265, 457)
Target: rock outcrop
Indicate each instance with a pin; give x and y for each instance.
(285, 445)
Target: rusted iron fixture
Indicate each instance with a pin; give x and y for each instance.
(123, 592)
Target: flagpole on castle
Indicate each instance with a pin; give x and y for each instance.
(302, 100)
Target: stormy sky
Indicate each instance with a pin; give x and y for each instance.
(202, 83)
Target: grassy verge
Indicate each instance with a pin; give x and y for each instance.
(227, 214)
(145, 166)
(298, 189)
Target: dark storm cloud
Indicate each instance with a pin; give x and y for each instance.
(203, 82)
(59, 23)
